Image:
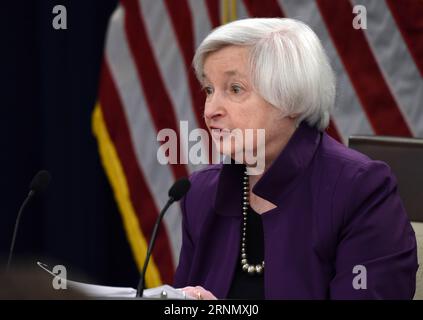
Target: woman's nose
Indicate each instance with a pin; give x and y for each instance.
(213, 107)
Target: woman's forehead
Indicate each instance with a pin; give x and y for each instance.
(228, 62)
(232, 54)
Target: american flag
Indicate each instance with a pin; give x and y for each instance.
(147, 84)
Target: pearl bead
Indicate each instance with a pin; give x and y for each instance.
(244, 256)
(251, 269)
(259, 269)
(244, 261)
(245, 267)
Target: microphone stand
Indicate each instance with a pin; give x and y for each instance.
(15, 231)
(141, 284)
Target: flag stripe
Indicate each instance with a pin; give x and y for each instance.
(202, 25)
(182, 24)
(242, 11)
(403, 78)
(347, 117)
(373, 92)
(144, 206)
(213, 9)
(141, 127)
(409, 16)
(157, 98)
(264, 8)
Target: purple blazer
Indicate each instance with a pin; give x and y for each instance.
(336, 209)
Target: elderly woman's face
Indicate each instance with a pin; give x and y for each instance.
(232, 103)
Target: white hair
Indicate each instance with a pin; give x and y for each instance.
(288, 65)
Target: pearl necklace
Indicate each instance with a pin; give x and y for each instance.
(250, 268)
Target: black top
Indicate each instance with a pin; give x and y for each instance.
(245, 286)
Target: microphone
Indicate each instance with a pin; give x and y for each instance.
(38, 184)
(176, 192)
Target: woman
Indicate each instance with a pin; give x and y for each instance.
(322, 221)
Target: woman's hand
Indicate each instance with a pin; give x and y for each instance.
(198, 293)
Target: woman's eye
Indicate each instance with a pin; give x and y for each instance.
(236, 88)
(208, 90)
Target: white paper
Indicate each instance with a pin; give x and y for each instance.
(98, 291)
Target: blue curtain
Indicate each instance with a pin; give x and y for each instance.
(49, 82)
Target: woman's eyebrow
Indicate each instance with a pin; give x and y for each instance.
(229, 73)
(233, 73)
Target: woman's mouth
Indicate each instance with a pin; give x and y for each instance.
(219, 132)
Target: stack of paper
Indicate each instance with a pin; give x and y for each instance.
(98, 291)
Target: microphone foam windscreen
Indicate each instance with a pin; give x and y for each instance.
(179, 189)
(40, 182)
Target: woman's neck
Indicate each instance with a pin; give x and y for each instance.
(273, 150)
